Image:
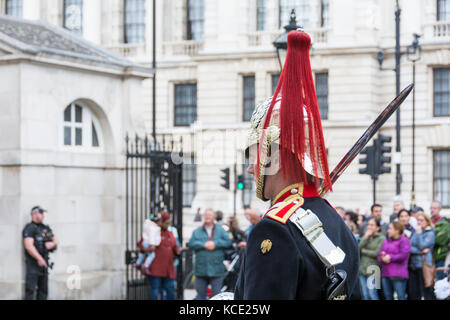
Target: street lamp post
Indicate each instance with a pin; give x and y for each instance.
(154, 74)
(413, 55)
(280, 43)
(398, 55)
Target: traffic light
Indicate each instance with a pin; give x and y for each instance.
(240, 182)
(380, 158)
(226, 178)
(368, 161)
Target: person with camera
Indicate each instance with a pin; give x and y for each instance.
(39, 241)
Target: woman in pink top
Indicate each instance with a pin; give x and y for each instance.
(394, 256)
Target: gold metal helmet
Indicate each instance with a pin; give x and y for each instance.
(290, 122)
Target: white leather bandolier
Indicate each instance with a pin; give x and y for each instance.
(311, 227)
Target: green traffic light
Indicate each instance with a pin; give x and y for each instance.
(240, 182)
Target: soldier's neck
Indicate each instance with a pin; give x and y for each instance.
(288, 189)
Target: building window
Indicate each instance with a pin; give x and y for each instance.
(73, 15)
(134, 21)
(322, 93)
(443, 10)
(275, 79)
(185, 104)
(81, 129)
(195, 15)
(14, 8)
(249, 186)
(189, 181)
(441, 179)
(249, 97)
(261, 15)
(441, 92)
(324, 7)
(302, 10)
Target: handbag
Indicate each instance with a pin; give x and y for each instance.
(428, 272)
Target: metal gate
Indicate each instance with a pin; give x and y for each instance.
(153, 183)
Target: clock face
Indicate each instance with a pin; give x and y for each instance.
(73, 17)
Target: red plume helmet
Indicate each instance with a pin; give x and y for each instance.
(298, 95)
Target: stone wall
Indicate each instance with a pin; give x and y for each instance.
(81, 187)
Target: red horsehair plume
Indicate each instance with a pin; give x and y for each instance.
(298, 94)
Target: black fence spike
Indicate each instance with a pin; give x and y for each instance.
(151, 143)
(136, 141)
(146, 144)
(181, 144)
(127, 139)
(165, 140)
(155, 143)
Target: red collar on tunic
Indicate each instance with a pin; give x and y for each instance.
(296, 191)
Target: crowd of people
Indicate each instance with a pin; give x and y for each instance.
(406, 256)
(212, 244)
(403, 257)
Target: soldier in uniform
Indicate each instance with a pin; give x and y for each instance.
(301, 248)
(38, 240)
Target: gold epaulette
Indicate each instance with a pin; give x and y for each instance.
(284, 210)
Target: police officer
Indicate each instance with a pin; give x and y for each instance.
(38, 240)
(301, 248)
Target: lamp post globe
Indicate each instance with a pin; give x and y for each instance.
(280, 42)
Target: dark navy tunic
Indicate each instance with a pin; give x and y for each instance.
(291, 269)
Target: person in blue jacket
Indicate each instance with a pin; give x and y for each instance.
(422, 243)
(209, 242)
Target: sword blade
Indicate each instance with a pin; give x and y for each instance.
(367, 135)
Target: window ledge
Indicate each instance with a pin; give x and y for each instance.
(129, 50)
(266, 38)
(262, 38)
(437, 30)
(182, 48)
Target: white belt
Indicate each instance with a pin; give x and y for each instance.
(311, 227)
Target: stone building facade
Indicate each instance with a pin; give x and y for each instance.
(215, 60)
(223, 50)
(66, 106)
